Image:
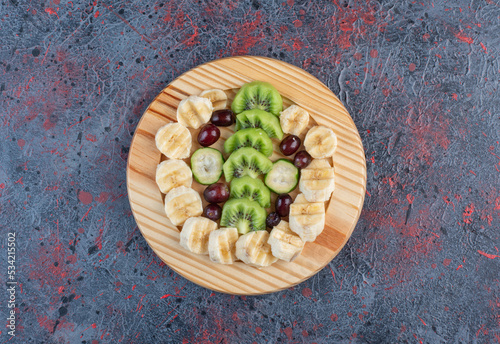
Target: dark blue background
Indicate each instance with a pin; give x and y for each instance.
(420, 80)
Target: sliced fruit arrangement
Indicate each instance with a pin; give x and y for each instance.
(243, 214)
(253, 189)
(320, 142)
(195, 234)
(174, 141)
(206, 164)
(294, 120)
(173, 173)
(252, 248)
(240, 207)
(246, 162)
(258, 95)
(307, 219)
(222, 245)
(285, 244)
(194, 111)
(256, 118)
(217, 97)
(317, 181)
(182, 203)
(252, 137)
(283, 177)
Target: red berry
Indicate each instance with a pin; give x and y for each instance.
(216, 193)
(290, 144)
(222, 118)
(273, 219)
(208, 135)
(302, 159)
(212, 211)
(283, 205)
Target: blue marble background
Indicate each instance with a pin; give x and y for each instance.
(420, 80)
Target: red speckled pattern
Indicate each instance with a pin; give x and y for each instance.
(421, 81)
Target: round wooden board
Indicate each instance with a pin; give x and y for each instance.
(296, 86)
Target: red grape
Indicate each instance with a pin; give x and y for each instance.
(273, 219)
(222, 118)
(208, 135)
(212, 211)
(283, 204)
(302, 159)
(216, 193)
(290, 144)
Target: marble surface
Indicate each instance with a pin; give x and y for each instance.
(421, 81)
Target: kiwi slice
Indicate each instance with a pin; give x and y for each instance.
(246, 161)
(253, 189)
(251, 137)
(243, 214)
(206, 164)
(260, 119)
(258, 95)
(283, 177)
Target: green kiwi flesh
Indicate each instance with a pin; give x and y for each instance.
(246, 161)
(252, 189)
(243, 214)
(260, 119)
(258, 95)
(250, 137)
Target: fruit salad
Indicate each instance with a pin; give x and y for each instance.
(240, 222)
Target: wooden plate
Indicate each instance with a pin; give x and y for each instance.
(296, 86)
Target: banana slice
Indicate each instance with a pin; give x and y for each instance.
(320, 142)
(174, 140)
(307, 219)
(195, 233)
(285, 244)
(252, 248)
(173, 173)
(294, 120)
(217, 97)
(194, 111)
(317, 181)
(182, 203)
(221, 245)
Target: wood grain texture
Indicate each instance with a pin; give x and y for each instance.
(296, 86)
